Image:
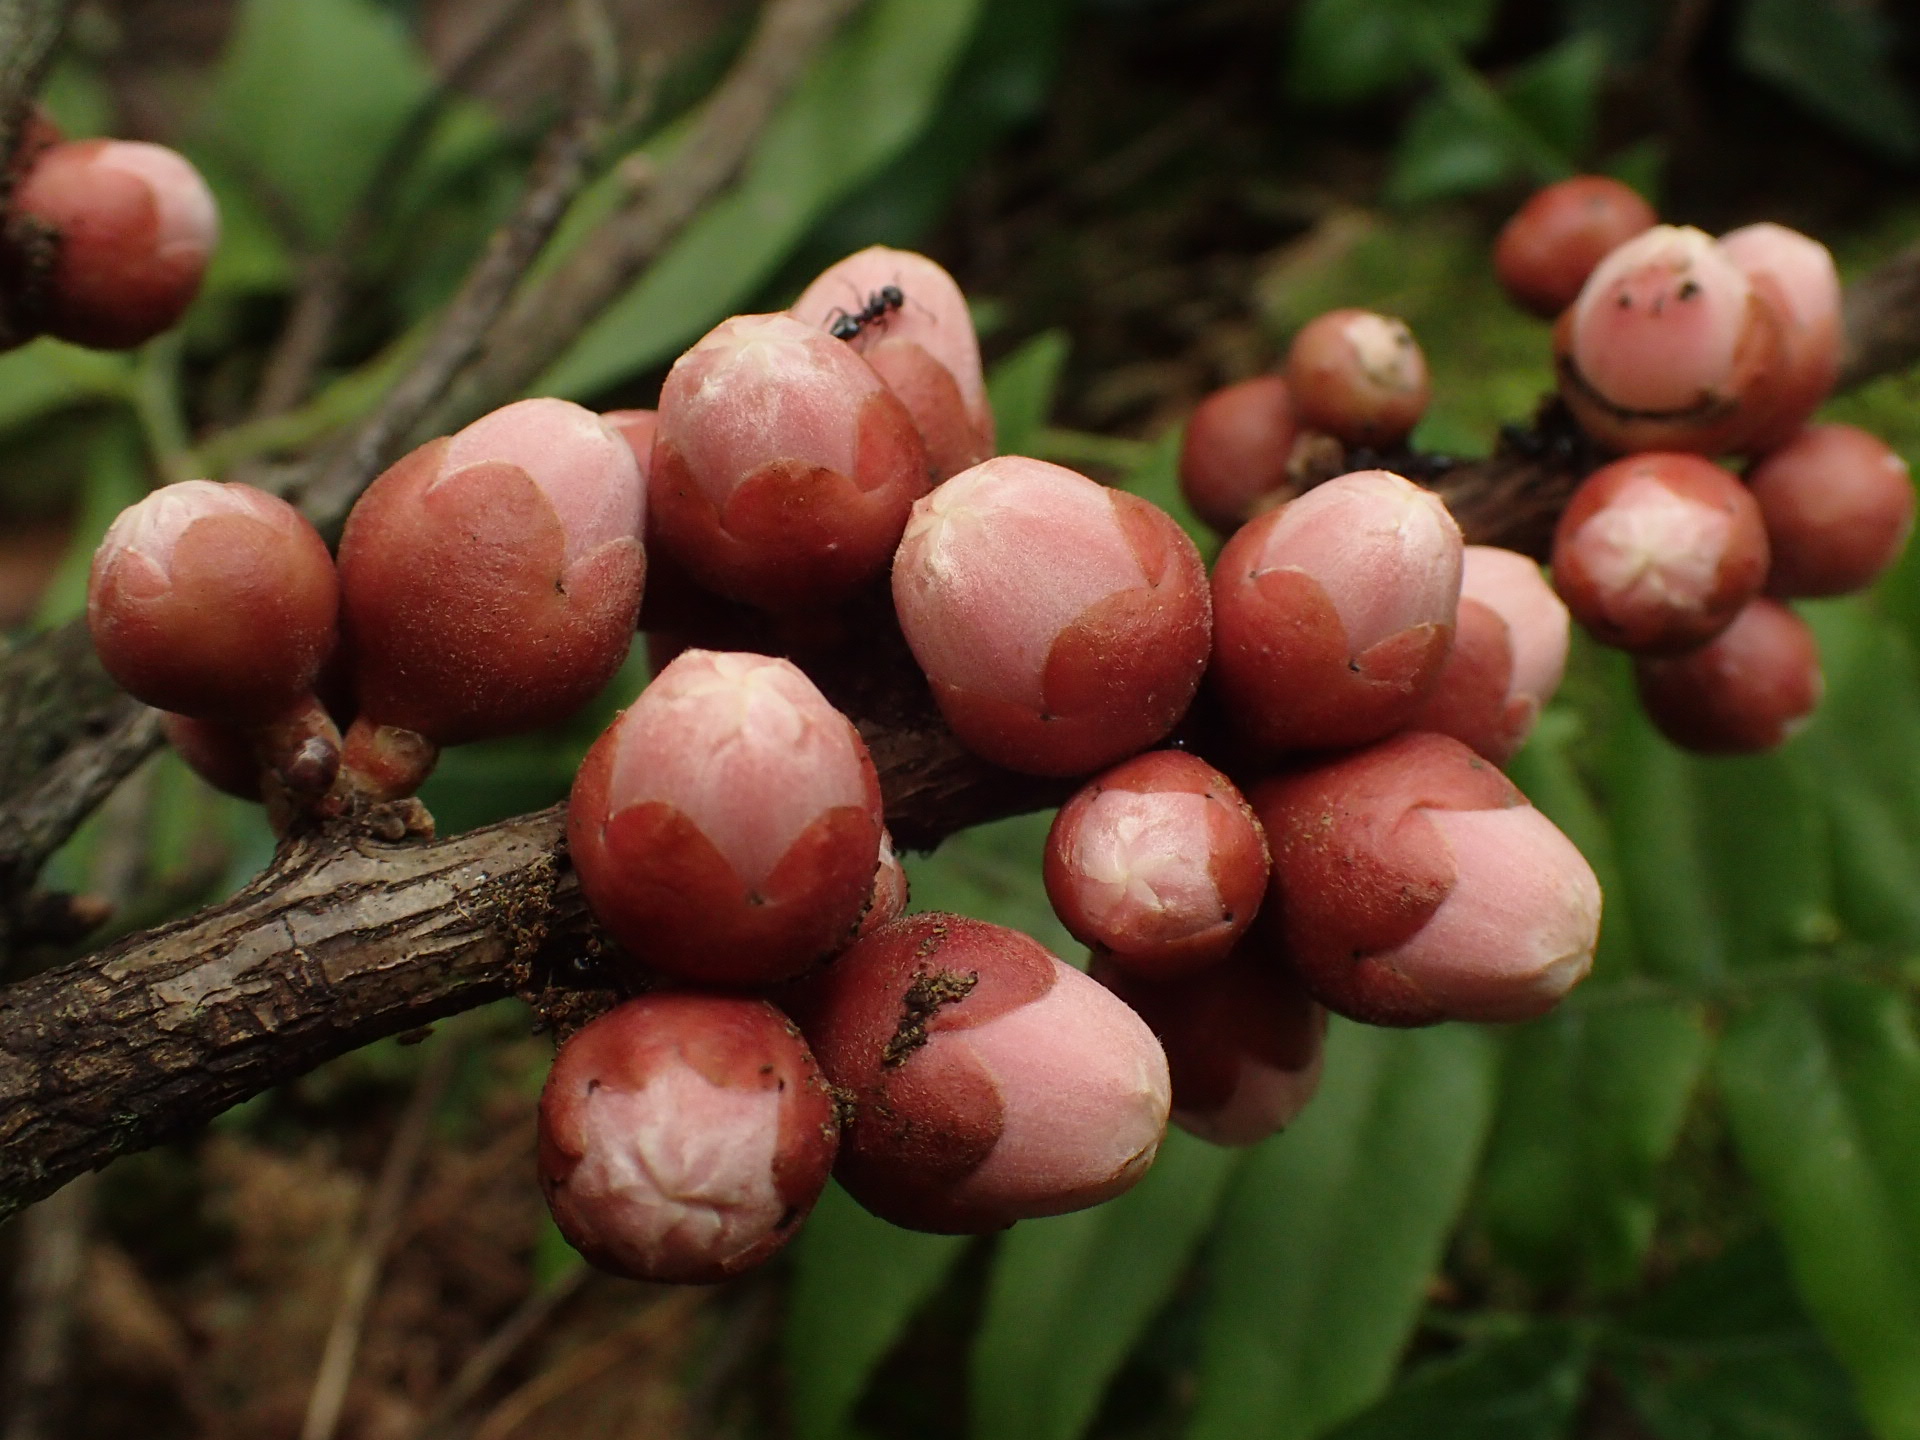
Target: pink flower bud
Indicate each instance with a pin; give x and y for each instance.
(1413, 883)
(637, 428)
(1233, 459)
(1670, 347)
(1334, 613)
(219, 754)
(991, 1082)
(216, 601)
(1552, 244)
(1159, 861)
(1795, 273)
(1061, 624)
(1358, 376)
(725, 826)
(783, 468)
(1751, 689)
(683, 1138)
(1657, 553)
(134, 226)
(1838, 507)
(1244, 1041)
(923, 346)
(1509, 652)
(492, 579)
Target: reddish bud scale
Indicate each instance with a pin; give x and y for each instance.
(1838, 508)
(134, 227)
(1794, 274)
(1671, 346)
(1750, 690)
(783, 469)
(1159, 861)
(726, 825)
(1244, 1040)
(1233, 458)
(637, 428)
(1061, 625)
(1509, 652)
(221, 755)
(1548, 249)
(216, 601)
(991, 1082)
(1412, 883)
(924, 348)
(683, 1138)
(1333, 614)
(1657, 553)
(1358, 376)
(492, 578)
(888, 901)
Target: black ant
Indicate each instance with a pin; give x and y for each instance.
(844, 325)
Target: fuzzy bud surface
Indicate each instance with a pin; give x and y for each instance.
(1656, 553)
(1159, 861)
(1753, 688)
(1245, 1042)
(1509, 652)
(683, 1138)
(1413, 883)
(492, 578)
(1333, 614)
(1838, 508)
(1358, 376)
(1061, 624)
(135, 226)
(991, 1081)
(783, 466)
(1670, 346)
(1545, 253)
(216, 601)
(726, 825)
(924, 348)
(1233, 458)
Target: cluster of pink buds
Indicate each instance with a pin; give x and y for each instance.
(1367, 673)
(1679, 350)
(102, 242)
(487, 584)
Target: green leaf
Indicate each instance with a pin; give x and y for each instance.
(1823, 1090)
(1592, 1097)
(1836, 60)
(1021, 389)
(48, 375)
(1861, 747)
(992, 872)
(1517, 1387)
(308, 97)
(116, 478)
(1471, 135)
(857, 1282)
(1723, 1351)
(1331, 1233)
(1070, 1296)
(868, 96)
(1345, 51)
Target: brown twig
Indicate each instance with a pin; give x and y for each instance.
(384, 1212)
(53, 1238)
(317, 306)
(465, 326)
(528, 1319)
(664, 1317)
(549, 314)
